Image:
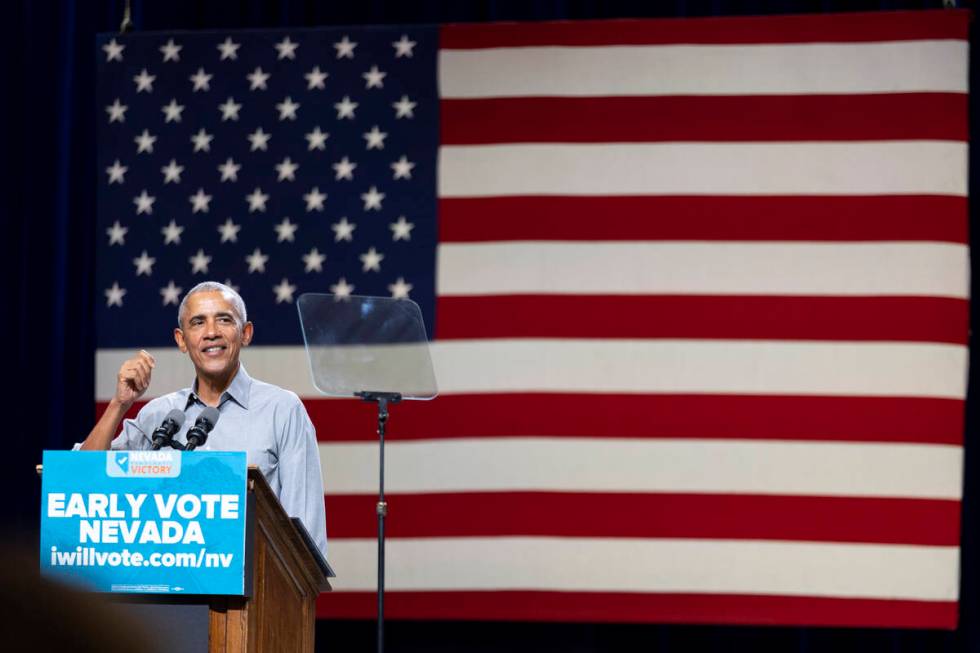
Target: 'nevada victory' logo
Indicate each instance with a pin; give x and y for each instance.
(142, 463)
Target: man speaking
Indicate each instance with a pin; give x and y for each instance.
(267, 422)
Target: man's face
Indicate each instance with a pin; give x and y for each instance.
(212, 334)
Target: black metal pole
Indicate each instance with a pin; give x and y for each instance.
(382, 510)
(383, 399)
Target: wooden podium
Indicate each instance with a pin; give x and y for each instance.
(283, 574)
(282, 579)
(280, 613)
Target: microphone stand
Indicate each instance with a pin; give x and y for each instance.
(383, 399)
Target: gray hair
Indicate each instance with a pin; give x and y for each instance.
(229, 293)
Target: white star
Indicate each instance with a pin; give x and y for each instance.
(232, 286)
(144, 264)
(344, 169)
(284, 291)
(375, 138)
(287, 49)
(315, 79)
(201, 80)
(400, 289)
(287, 169)
(144, 203)
(286, 230)
(259, 140)
(144, 81)
(314, 200)
(256, 261)
(317, 139)
(199, 262)
(403, 168)
(403, 47)
(171, 233)
(200, 200)
(172, 111)
(371, 260)
(114, 295)
(229, 170)
(171, 172)
(257, 79)
(343, 230)
(229, 110)
(345, 48)
(116, 111)
(314, 260)
(345, 108)
(171, 294)
(404, 108)
(229, 231)
(401, 230)
(202, 140)
(372, 199)
(229, 49)
(287, 109)
(171, 51)
(144, 142)
(117, 234)
(116, 172)
(256, 200)
(341, 290)
(113, 52)
(374, 78)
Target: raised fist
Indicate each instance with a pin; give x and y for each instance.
(134, 378)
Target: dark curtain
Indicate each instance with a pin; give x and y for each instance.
(48, 240)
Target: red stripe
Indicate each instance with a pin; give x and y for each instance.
(860, 419)
(869, 419)
(792, 218)
(919, 319)
(642, 608)
(830, 28)
(740, 517)
(705, 118)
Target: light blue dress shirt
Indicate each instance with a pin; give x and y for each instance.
(268, 423)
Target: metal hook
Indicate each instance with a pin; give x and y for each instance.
(127, 20)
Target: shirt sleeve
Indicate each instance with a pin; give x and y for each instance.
(132, 437)
(300, 477)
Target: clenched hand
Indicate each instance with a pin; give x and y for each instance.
(134, 378)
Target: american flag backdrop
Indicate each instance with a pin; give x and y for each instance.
(697, 290)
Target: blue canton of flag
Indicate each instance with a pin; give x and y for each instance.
(279, 162)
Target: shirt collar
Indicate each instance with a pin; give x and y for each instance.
(238, 391)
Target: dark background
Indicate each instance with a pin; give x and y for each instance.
(47, 235)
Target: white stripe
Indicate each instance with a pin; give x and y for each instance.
(798, 168)
(654, 565)
(711, 268)
(703, 366)
(647, 465)
(812, 68)
(626, 366)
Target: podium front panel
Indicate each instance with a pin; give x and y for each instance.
(146, 522)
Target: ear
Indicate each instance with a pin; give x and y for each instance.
(247, 332)
(179, 338)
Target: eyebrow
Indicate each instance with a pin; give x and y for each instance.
(203, 315)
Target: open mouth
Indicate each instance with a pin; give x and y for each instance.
(214, 350)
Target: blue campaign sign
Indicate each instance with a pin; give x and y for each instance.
(155, 522)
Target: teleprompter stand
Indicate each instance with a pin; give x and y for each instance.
(374, 349)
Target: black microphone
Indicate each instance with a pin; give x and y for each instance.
(164, 435)
(198, 434)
